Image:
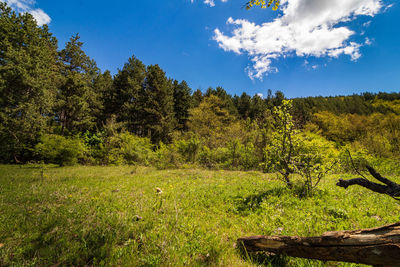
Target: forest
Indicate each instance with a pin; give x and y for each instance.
(58, 109)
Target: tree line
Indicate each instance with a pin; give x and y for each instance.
(57, 106)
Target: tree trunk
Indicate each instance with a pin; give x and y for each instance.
(377, 246)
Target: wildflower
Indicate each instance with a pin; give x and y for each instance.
(137, 218)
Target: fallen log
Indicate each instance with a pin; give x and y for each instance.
(376, 246)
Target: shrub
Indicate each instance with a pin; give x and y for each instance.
(127, 148)
(167, 157)
(206, 157)
(96, 152)
(240, 156)
(359, 157)
(188, 148)
(60, 150)
(315, 158)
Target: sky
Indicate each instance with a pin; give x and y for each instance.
(306, 48)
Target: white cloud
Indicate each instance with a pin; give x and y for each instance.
(211, 3)
(368, 41)
(305, 28)
(28, 6)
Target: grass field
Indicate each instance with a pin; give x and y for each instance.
(113, 215)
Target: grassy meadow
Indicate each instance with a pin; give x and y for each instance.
(114, 216)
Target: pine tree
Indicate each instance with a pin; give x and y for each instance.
(243, 105)
(124, 99)
(103, 88)
(257, 107)
(28, 78)
(157, 106)
(77, 100)
(182, 103)
(197, 97)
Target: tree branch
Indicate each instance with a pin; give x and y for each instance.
(390, 188)
(379, 177)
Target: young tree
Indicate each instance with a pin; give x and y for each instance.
(243, 105)
(293, 152)
(227, 99)
(284, 143)
(197, 97)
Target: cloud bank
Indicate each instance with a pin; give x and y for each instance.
(28, 6)
(305, 28)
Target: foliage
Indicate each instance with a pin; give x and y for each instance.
(77, 102)
(188, 147)
(60, 150)
(123, 99)
(167, 157)
(29, 75)
(95, 148)
(210, 121)
(182, 103)
(126, 148)
(292, 152)
(157, 115)
(285, 143)
(316, 157)
(240, 156)
(263, 4)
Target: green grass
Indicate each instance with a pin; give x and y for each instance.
(113, 215)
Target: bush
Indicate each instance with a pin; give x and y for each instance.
(60, 150)
(167, 157)
(188, 148)
(240, 156)
(96, 152)
(126, 148)
(316, 157)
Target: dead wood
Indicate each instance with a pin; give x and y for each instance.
(387, 187)
(377, 246)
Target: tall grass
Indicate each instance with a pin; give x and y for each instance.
(115, 216)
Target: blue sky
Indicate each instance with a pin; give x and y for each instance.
(308, 48)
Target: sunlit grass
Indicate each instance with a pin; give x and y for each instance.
(114, 216)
